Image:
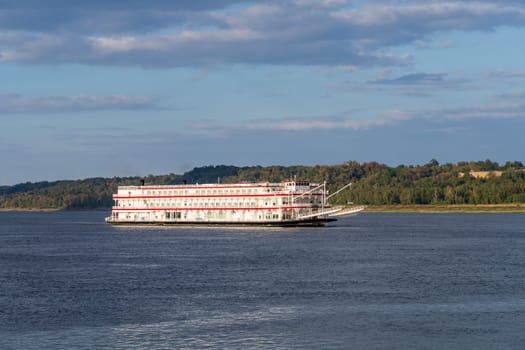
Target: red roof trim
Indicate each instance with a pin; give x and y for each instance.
(215, 208)
(204, 186)
(218, 196)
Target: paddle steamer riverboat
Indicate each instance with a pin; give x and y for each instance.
(280, 204)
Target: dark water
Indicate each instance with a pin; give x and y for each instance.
(375, 281)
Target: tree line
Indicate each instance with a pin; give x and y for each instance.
(373, 184)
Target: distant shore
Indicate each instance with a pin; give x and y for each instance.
(463, 208)
(51, 209)
(424, 208)
(30, 209)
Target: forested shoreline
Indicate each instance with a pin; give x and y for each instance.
(374, 184)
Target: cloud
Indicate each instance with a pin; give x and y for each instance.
(502, 110)
(13, 103)
(203, 33)
(414, 79)
(419, 84)
(304, 124)
(99, 138)
(510, 108)
(517, 96)
(384, 25)
(506, 73)
(415, 84)
(98, 16)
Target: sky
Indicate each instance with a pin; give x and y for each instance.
(131, 88)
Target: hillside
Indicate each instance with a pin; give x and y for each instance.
(374, 184)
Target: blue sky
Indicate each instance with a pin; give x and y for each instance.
(96, 88)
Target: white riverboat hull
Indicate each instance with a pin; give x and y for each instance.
(305, 222)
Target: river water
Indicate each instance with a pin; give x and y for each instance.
(374, 281)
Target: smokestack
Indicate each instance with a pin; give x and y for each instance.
(142, 182)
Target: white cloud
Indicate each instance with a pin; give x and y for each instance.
(510, 108)
(302, 124)
(503, 110)
(302, 32)
(169, 42)
(13, 103)
(321, 3)
(382, 25)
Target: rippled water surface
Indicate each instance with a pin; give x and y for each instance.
(374, 281)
